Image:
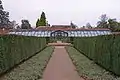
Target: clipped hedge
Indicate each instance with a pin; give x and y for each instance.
(14, 49)
(104, 50)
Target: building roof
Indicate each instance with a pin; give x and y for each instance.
(3, 31)
(68, 29)
(62, 26)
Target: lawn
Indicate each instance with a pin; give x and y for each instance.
(87, 68)
(31, 69)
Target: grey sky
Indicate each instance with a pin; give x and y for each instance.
(62, 11)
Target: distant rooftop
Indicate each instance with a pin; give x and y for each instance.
(61, 26)
(66, 28)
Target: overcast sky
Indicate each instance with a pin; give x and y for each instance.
(62, 11)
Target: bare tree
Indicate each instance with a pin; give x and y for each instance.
(88, 25)
(103, 21)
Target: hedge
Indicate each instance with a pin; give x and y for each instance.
(104, 50)
(14, 49)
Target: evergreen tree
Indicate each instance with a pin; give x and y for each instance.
(4, 17)
(37, 23)
(42, 21)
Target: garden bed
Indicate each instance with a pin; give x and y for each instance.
(31, 69)
(87, 68)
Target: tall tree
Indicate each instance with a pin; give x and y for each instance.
(37, 23)
(103, 21)
(42, 21)
(4, 17)
(25, 24)
(114, 25)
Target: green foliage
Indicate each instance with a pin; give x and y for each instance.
(31, 69)
(104, 50)
(42, 21)
(4, 17)
(14, 49)
(37, 23)
(103, 21)
(112, 24)
(25, 24)
(88, 68)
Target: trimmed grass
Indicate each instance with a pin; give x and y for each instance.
(87, 68)
(31, 69)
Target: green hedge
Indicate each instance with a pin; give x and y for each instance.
(14, 49)
(104, 50)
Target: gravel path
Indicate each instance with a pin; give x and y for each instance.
(60, 66)
(88, 68)
(31, 69)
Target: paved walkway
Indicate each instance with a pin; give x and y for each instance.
(60, 66)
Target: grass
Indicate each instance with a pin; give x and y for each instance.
(31, 69)
(87, 68)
